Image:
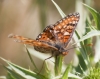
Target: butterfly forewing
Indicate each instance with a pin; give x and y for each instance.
(65, 28)
(61, 32)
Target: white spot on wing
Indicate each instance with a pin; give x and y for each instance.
(74, 22)
(59, 27)
(72, 18)
(77, 19)
(47, 38)
(56, 31)
(50, 30)
(66, 33)
(78, 15)
(70, 22)
(64, 26)
(39, 36)
(68, 19)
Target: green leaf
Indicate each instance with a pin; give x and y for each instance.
(9, 75)
(65, 75)
(47, 72)
(72, 76)
(95, 15)
(31, 58)
(88, 35)
(59, 10)
(83, 52)
(18, 71)
(13, 74)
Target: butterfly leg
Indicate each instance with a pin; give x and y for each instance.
(44, 62)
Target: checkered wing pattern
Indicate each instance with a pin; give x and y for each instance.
(61, 32)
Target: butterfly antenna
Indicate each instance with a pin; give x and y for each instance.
(73, 48)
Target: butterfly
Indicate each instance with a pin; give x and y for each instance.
(54, 38)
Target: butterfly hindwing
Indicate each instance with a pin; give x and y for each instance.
(39, 46)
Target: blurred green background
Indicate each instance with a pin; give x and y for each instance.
(28, 18)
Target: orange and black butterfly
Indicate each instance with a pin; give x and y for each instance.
(54, 38)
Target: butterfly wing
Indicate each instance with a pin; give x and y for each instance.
(61, 32)
(65, 28)
(47, 36)
(39, 46)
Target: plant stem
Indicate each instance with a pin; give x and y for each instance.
(58, 64)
